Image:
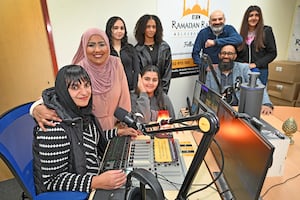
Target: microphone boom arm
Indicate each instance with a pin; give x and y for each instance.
(147, 129)
(209, 133)
(208, 124)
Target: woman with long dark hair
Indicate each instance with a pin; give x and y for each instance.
(152, 49)
(117, 33)
(258, 47)
(149, 98)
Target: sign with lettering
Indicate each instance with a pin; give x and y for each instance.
(182, 20)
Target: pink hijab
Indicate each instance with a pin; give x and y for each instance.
(102, 76)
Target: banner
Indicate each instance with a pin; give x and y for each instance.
(182, 21)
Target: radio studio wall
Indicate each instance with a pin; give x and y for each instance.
(65, 49)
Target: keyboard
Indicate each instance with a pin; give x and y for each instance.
(116, 154)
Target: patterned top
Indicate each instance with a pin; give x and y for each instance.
(54, 162)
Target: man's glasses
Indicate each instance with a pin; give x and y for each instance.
(224, 53)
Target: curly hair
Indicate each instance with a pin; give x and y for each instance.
(141, 25)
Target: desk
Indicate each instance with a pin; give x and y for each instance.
(288, 190)
(284, 112)
(203, 177)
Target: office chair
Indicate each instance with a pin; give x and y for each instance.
(16, 135)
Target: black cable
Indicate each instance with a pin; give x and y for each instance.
(217, 177)
(273, 186)
(162, 177)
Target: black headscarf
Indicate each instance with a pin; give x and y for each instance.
(60, 99)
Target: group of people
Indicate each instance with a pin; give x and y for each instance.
(236, 54)
(76, 117)
(150, 49)
(77, 114)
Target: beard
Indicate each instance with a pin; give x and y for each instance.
(217, 29)
(225, 66)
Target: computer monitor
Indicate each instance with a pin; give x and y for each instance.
(202, 95)
(194, 109)
(247, 156)
(209, 97)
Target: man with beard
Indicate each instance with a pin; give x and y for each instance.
(210, 39)
(228, 72)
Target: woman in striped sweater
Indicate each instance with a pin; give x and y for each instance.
(67, 156)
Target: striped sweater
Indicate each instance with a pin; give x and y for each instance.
(66, 158)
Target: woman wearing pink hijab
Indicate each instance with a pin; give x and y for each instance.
(109, 83)
(110, 88)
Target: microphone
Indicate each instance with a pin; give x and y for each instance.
(227, 93)
(124, 116)
(238, 82)
(206, 58)
(207, 123)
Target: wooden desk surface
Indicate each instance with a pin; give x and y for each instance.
(287, 190)
(290, 189)
(203, 176)
(284, 112)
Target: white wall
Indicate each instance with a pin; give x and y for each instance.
(293, 51)
(277, 13)
(70, 18)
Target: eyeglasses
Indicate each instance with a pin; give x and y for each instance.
(224, 53)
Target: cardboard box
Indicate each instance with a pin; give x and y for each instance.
(281, 102)
(286, 91)
(284, 71)
(297, 104)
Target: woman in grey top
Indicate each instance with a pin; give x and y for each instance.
(149, 98)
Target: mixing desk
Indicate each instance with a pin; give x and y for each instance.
(161, 156)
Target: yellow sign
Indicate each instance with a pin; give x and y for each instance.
(182, 63)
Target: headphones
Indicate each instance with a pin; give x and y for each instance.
(145, 177)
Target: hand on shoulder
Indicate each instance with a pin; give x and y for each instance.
(44, 116)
